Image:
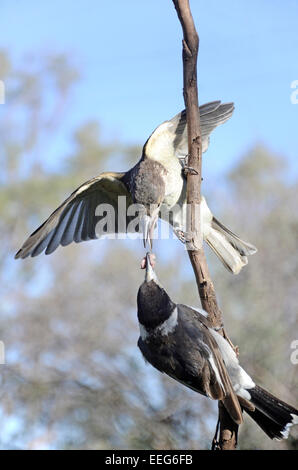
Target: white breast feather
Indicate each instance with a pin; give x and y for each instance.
(164, 329)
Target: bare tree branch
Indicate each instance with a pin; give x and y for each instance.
(190, 44)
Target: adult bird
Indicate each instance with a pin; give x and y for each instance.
(179, 341)
(156, 183)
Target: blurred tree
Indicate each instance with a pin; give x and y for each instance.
(74, 377)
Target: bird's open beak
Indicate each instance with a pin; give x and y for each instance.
(150, 273)
(148, 226)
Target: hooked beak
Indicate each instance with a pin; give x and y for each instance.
(150, 273)
(148, 226)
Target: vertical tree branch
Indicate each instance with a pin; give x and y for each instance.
(190, 44)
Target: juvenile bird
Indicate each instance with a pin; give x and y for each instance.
(156, 182)
(179, 341)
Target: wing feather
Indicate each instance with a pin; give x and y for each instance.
(58, 232)
(80, 221)
(211, 115)
(41, 246)
(68, 234)
(215, 376)
(75, 219)
(170, 138)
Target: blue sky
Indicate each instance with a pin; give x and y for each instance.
(130, 56)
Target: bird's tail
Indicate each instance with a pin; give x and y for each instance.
(230, 249)
(274, 416)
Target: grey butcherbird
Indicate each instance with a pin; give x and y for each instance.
(179, 341)
(156, 182)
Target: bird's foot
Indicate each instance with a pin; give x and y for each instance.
(189, 170)
(184, 237)
(186, 168)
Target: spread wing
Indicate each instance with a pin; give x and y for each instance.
(76, 219)
(211, 115)
(170, 138)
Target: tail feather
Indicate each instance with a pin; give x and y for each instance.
(274, 416)
(231, 250)
(270, 427)
(244, 248)
(228, 255)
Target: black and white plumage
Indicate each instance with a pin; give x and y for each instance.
(156, 182)
(179, 341)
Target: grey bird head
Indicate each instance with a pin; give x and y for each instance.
(154, 304)
(149, 191)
